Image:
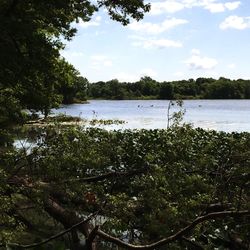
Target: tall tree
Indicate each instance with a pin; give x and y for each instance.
(31, 39)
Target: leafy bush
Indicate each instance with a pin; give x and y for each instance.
(145, 184)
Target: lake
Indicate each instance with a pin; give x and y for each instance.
(222, 115)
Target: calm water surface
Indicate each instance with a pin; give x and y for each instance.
(224, 115)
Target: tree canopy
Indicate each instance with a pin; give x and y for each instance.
(148, 88)
(32, 34)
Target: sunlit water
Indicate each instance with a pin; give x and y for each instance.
(222, 115)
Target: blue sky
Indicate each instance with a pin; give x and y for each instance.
(177, 39)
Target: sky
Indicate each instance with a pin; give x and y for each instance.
(177, 39)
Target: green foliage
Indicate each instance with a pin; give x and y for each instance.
(202, 88)
(31, 39)
(148, 183)
(10, 108)
(62, 118)
(72, 86)
(94, 122)
(174, 119)
(184, 171)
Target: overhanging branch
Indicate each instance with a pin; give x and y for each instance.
(56, 235)
(105, 176)
(16, 180)
(118, 242)
(175, 236)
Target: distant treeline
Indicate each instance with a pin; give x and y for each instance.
(148, 88)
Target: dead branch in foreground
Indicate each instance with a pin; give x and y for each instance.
(106, 237)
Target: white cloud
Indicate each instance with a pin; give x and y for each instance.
(199, 62)
(221, 7)
(153, 28)
(95, 22)
(98, 61)
(126, 77)
(98, 18)
(195, 52)
(172, 6)
(133, 77)
(153, 43)
(235, 22)
(166, 7)
(215, 7)
(231, 66)
(148, 72)
(98, 33)
(179, 74)
(72, 54)
(232, 5)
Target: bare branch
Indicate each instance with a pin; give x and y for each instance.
(107, 176)
(41, 184)
(175, 236)
(56, 235)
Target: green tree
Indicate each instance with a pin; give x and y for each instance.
(166, 91)
(149, 87)
(72, 87)
(128, 187)
(31, 39)
(123, 188)
(30, 67)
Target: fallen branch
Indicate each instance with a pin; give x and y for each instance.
(118, 242)
(54, 236)
(105, 176)
(175, 236)
(28, 183)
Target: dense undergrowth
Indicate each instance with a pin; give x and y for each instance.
(151, 184)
